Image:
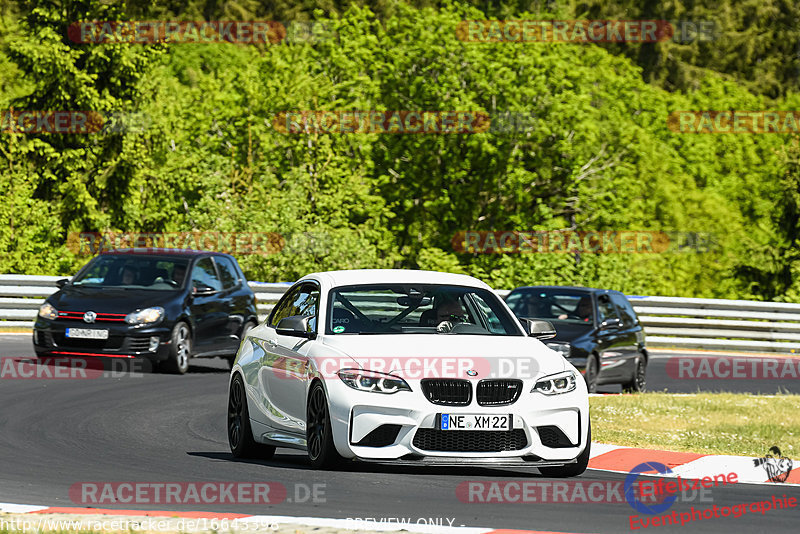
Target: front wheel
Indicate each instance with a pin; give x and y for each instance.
(240, 435)
(180, 350)
(319, 435)
(572, 470)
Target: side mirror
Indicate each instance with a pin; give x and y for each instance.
(61, 283)
(539, 329)
(611, 324)
(296, 325)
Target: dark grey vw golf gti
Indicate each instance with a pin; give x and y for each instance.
(167, 306)
(597, 331)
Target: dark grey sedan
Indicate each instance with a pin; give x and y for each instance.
(597, 331)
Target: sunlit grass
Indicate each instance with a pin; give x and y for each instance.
(711, 423)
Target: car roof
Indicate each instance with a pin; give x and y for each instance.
(577, 289)
(393, 276)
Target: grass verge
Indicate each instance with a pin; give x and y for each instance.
(708, 423)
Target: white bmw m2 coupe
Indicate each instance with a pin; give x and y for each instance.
(415, 367)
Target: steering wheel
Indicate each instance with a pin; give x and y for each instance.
(452, 320)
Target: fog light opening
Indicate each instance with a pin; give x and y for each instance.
(153, 343)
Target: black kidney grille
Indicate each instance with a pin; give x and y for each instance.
(447, 392)
(498, 392)
(432, 439)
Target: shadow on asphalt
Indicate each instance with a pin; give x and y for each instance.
(299, 462)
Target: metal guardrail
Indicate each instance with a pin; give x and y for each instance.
(668, 321)
(719, 324)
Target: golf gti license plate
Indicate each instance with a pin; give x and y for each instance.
(475, 422)
(87, 333)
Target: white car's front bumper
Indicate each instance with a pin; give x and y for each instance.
(355, 415)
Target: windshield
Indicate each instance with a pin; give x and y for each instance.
(553, 304)
(133, 272)
(418, 309)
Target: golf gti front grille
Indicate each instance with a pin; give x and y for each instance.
(139, 344)
(447, 392)
(498, 392)
(432, 439)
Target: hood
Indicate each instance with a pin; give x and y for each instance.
(450, 356)
(108, 300)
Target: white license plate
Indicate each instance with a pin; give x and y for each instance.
(87, 333)
(453, 421)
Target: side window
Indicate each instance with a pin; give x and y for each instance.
(306, 304)
(204, 275)
(283, 307)
(303, 301)
(605, 309)
(227, 272)
(626, 312)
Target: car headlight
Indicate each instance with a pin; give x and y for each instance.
(373, 381)
(556, 384)
(47, 311)
(145, 316)
(563, 348)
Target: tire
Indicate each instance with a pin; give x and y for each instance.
(572, 470)
(240, 435)
(592, 371)
(180, 350)
(245, 329)
(639, 381)
(319, 436)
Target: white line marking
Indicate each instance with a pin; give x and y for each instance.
(10, 508)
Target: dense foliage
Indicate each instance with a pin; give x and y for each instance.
(194, 147)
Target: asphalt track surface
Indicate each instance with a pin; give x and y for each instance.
(143, 427)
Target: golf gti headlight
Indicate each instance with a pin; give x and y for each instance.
(145, 316)
(562, 348)
(373, 381)
(47, 311)
(555, 384)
